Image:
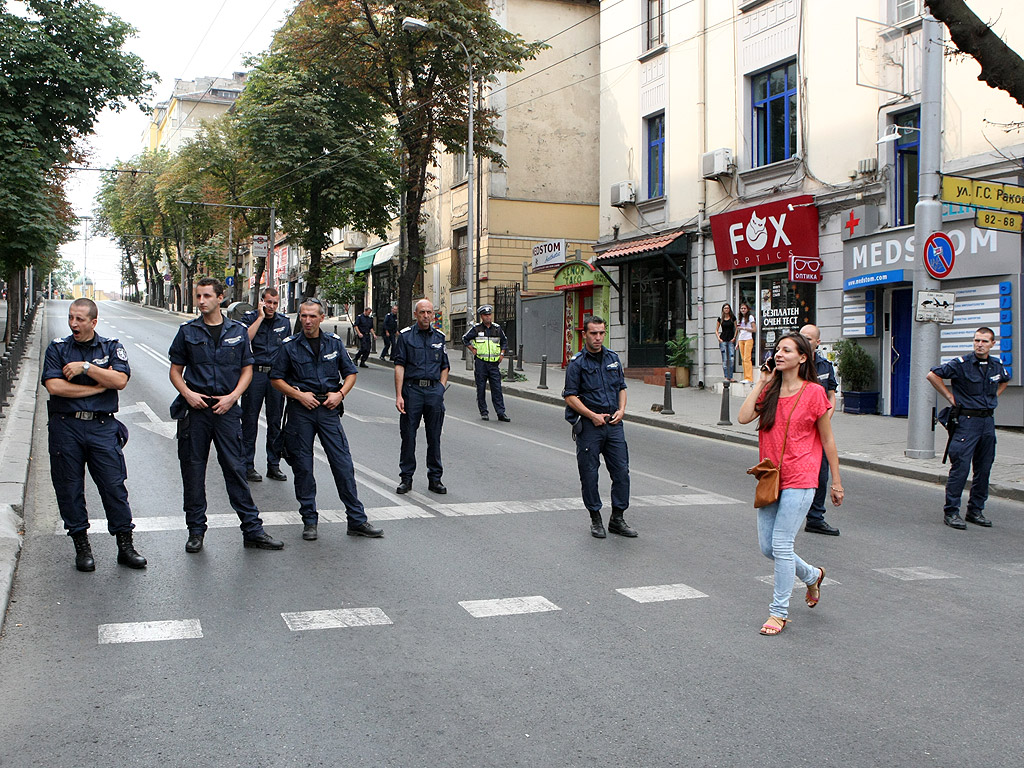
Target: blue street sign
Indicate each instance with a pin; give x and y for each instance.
(939, 255)
(229, 280)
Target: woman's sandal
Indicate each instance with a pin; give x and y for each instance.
(774, 626)
(814, 591)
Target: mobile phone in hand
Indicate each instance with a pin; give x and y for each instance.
(769, 364)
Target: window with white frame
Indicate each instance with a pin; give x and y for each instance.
(774, 114)
(904, 10)
(460, 168)
(654, 23)
(655, 135)
(907, 166)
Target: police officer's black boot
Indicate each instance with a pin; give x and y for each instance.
(83, 552)
(597, 526)
(126, 554)
(619, 525)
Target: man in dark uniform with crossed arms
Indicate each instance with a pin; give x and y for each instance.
(267, 329)
(211, 365)
(314, 372)
(976, 380)
(83, 373)
(421, 375)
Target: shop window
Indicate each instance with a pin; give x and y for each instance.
(774, 114)
(654, 23)
(460, 253)
(907, 153)
(655, 156)
(783, 307)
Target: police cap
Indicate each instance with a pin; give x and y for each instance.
(485, 309)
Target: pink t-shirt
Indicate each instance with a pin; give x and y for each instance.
(802, 461)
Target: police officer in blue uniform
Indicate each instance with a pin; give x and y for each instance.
(211, 365)
(267, 329)
(83, 373)
(421, 375)
(487, 343)
(315, 373)
(595, 399)
(365, 332)
(815, 522)
(976, 381)
(390, 329)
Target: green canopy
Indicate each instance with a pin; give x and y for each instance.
(365, 259)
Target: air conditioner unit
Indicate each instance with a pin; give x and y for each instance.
(623, 194)
(715, 163)
(867, 165)
(354, 241)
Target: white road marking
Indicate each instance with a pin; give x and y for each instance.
(373, 419)
(916, 573)
(1014, 569)
(334, 619)
(164, 361)
(560, 505)
(661, 592)
(797, 584)
(149, 631)
(168, 429)
(507, 606)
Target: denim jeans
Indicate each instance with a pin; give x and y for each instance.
(728, 350)
(777, 526)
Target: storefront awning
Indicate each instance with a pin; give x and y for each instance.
(385, 253)
(641, 249)
(365, 259)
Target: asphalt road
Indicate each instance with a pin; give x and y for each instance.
(912, 667)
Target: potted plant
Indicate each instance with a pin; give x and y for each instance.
(856, 372)
(679, 354)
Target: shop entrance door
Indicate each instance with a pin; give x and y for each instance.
(655, 298)
(902, 312)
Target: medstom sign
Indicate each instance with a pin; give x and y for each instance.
(770, 233)
(889, 256)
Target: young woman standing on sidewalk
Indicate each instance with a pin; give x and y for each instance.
(745, 341)
(792, 409)
(725, 331)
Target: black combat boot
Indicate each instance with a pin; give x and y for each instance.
(126, 554)
(596, 526)
(619, 525)
(83, 552)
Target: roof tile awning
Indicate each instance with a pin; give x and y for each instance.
(636, 249)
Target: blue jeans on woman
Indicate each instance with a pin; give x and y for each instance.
(728, 349)
(777, 526)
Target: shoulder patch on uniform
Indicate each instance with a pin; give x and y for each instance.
(334, 336)
(186, 322)
(576, 355)
(58, 340)
(406, 329)
(959, 359)
(121, 354)
(290, 338)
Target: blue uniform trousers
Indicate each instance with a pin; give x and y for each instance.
(365, 344)
(259, 391)
(389, 340)
(974, 442)
(817, 512)
(195, 433)
(484, 372)
(609, 441)
(74, 444)
(426, 403)
(302, 427)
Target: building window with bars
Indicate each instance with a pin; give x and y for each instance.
(774, 114)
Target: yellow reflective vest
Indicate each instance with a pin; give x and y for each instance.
(488, 342)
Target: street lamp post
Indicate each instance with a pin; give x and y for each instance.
(409, 23)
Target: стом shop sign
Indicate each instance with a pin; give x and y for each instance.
(768, 233)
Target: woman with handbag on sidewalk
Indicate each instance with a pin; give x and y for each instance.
(793, 428)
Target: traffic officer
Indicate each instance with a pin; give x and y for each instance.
(421, 376)
(486, 340)
(83, 373)
(315, 373)
(976, 381)
(827, 378)
(595, 399)
(390, 329)
(365, 332)
(211, 365)
(267, 329)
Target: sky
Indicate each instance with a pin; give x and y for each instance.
(184, 39)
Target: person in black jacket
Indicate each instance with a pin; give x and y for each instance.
(390, 329)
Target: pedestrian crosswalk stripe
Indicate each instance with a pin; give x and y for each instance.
(916, 573)
(300, 621)
(149, 631)
(507, 606)
(797, 584)
(1014, 569)
(661, 592)
(573, 502)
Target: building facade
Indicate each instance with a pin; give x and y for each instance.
(176, 121)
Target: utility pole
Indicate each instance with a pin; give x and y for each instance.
(924, 336)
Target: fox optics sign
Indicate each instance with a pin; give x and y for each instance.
(770, 233)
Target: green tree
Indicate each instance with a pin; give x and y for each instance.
(419, 78)
(64, 276)
(341, 285)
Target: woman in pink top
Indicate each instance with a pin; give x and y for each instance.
(790, 394)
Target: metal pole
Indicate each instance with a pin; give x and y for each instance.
(924, 336)
(667, 407)
(270, 249)
(470, 218)
(543, 372)
(723, 418)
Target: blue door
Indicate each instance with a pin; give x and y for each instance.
(902, 317)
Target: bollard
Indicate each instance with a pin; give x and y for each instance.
(543, 372)
(511, 375)
(335, 329)
(723, 420)
(666, 409)
(348, 339)
(519, 359)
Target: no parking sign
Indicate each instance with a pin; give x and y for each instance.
(939, 255)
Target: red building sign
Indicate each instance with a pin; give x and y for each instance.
(769, 233)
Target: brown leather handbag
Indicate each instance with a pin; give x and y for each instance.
(766, 473)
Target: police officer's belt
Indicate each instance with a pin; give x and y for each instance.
(262, 368)
(88, 415)
(423, 382)
(976, 412)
